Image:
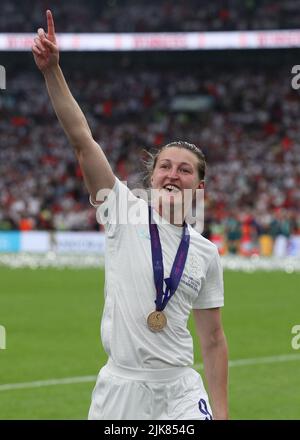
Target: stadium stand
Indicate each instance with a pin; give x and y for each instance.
(154, 16)
(244, 117)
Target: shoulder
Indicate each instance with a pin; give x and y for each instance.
(122, 192)
(204, 253)
(202, 243)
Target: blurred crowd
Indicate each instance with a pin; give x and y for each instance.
(154, 16)
(246, 122)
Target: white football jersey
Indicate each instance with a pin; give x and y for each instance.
(130, 291)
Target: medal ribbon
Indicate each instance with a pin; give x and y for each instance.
(163, 297)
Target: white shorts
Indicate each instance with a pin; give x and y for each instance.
(169, 394)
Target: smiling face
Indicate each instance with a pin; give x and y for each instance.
(176, 178)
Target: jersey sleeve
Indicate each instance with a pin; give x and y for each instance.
(212, 289)
(120, 206)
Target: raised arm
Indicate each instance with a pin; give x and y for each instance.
(94, 165)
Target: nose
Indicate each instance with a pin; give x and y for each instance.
(172, 173)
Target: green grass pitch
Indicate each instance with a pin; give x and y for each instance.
(52, 320)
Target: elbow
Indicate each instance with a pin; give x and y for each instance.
(79, 139)
(216, 339)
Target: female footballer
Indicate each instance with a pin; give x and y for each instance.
(157, 272)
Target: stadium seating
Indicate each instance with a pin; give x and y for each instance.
(154, 16)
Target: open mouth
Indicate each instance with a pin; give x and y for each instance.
(171, 188)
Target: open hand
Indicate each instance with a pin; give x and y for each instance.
(45, 49)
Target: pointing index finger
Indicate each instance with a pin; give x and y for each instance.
(50, 25)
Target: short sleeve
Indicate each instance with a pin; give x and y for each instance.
(108, 213)
(212, 290)
(120, 207)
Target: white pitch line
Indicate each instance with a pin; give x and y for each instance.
(261, 360)
(46, 383)
(82, 379)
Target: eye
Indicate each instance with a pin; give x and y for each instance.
(185, 170)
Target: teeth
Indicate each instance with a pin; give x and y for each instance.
(171, 188)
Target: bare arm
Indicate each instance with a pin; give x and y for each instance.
(215, 358)
(94, 165)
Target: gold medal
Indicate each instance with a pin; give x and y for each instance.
(156, 321)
